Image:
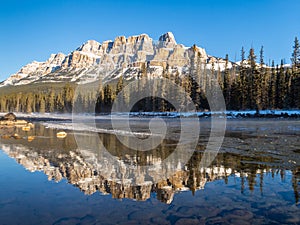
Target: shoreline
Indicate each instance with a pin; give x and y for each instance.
(248, 114)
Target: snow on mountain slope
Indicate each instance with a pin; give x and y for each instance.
(35, 70)
(111, 59)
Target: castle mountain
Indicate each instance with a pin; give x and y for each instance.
(112, 59)
(50, 86)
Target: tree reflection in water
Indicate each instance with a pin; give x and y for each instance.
(60, 159)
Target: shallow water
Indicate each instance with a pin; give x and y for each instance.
(254, 179)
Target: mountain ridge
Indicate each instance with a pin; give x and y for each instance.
(110, 59)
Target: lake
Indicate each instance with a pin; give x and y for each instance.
(93, 178)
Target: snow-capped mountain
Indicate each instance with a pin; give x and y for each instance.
(111, 59)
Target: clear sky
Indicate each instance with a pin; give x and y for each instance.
(33, 29)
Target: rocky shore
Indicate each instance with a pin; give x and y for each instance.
(9, 123)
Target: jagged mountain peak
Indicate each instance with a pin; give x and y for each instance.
(89, 46)
(168, 37)
(167, 40)
(122, 57)
(138, 37)
(55, 58)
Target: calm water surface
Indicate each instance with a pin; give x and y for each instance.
(255, 178)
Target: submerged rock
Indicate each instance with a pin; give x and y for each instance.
(61, 134)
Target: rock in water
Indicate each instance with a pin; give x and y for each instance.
(61, 134)
(10, 117)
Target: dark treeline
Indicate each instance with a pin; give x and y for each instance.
(50, 99)
(247, 85)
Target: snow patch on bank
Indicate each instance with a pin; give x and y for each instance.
(122, 115)
(83, 127)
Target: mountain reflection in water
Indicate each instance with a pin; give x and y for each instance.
(40, 150)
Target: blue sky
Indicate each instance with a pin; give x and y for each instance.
(33, 29)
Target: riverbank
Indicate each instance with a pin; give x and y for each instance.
(45, 117)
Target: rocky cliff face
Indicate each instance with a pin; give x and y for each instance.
(124, 56)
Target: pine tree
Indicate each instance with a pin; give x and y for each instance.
(272, 86)
(263, 91)
(68, 95)
(226, 82)
(295, 77)
(119, 85)
(3, 105)
(236, 94)
(252, 59)
(261, 57)
(242, 55)
(251, 81)
(50, 100)
(42, 104)
(296, 55)
(242, 84)
(194, 90)
(100, 97)
(296, 88)
(187, 85)
(277, 88)
(281, 85)
(287, 86)
(29, 103)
